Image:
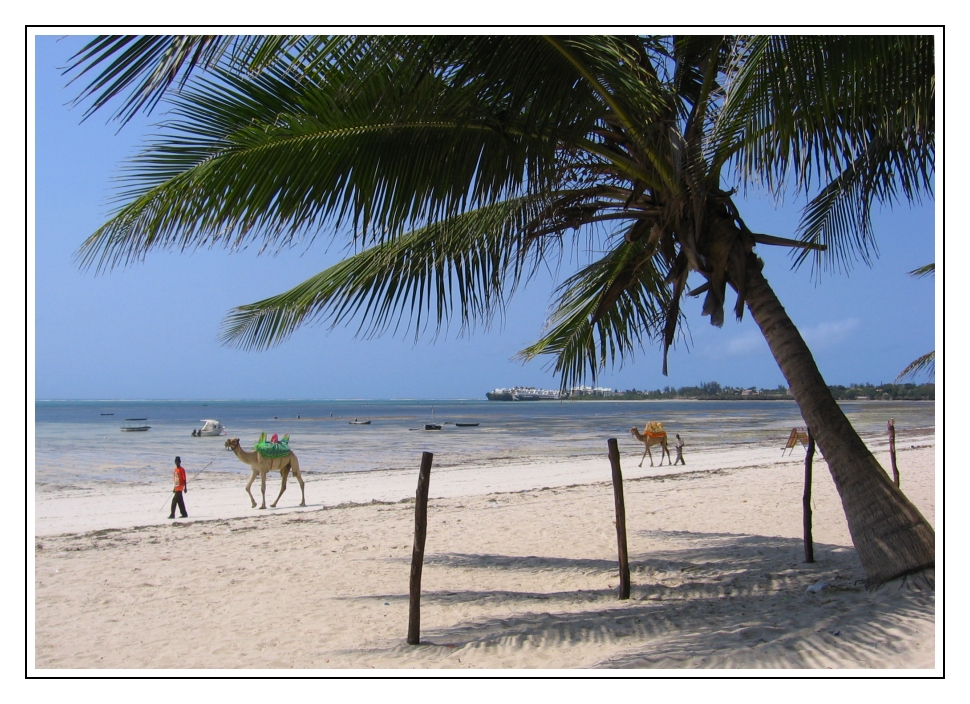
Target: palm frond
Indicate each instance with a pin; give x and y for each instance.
(145, 68)
(839, 219)
(850, 112)
(605, 312)
(922, 365)
(277, 157)
(813, 104)
(464, 267)
(925, 270)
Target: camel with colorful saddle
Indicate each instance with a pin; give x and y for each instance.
(267, 456)
(653, 434)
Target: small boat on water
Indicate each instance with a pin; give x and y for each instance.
(134, 424)
(359, 422)
(466, 425)
(433, 425)
(210, 428)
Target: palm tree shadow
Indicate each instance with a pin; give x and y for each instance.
(712, 600)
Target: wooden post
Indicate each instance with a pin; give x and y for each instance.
(807, 500)
(892, 450)
(620, 519)
(417, 552)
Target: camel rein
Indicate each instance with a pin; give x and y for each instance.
(201, 470)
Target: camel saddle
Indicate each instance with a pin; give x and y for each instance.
(273, 450)
(655, 429)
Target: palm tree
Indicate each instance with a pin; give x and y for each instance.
(924, 364)
(459, 164)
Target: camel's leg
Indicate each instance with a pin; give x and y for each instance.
(646, 449)
(667, 449)
(262, 478)
(295, 466)
(649, 454)
(285, 471)
(249, 484)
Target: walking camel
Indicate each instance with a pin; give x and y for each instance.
(261, 465)
(653, 434)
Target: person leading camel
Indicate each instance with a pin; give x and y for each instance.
(680, 451)
(653, 434)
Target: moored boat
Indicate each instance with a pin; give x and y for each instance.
(131, 425)
(433, 425)
(210, 428)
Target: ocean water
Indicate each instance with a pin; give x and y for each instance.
(79, 445)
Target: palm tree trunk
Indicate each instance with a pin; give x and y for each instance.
(891, 536)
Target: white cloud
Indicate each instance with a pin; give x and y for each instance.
(747, 343)
(821, 336)
(829, 334)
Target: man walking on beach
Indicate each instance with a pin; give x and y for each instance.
(181, 485)
(680, 451)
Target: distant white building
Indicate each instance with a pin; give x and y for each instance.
(600, 391)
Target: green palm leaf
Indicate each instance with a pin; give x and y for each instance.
(276, 158)
(919, 366)
(146, 68)
(605, 312)
(466, 266)
(925, 270)
(852, 113)
(927, 363)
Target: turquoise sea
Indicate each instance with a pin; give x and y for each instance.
(79, 445)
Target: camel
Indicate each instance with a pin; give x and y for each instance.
(261, 465)
(653, 434)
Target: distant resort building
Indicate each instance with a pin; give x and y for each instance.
(531, 393)
(599, 391)
(524, 393)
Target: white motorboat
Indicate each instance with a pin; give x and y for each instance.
(211, 428)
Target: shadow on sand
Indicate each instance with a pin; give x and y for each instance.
(713, 600)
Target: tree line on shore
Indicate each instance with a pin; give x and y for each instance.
(713, 391)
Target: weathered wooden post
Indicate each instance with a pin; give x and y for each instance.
(620, 519)
(417, 552)
(892, 450)
(807, 500)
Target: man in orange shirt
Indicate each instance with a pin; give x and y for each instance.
(181, 485)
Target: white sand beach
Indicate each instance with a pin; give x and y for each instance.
(520, 572)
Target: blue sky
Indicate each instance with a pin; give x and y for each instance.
(149, 331)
